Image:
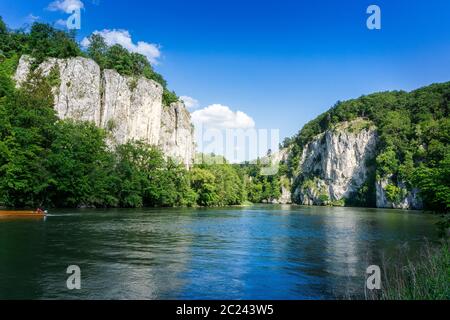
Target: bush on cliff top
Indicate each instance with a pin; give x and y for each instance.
(45, 41)
(126, 63)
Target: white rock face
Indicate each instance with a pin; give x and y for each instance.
(177, 133)
(333, 165)
(280, 156)
(78, 94)
(286, 196)
(23, 69)
(275, 160)
(408, 199)
(128, 107)
(131, 107)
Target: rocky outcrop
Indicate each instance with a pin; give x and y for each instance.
(130, 108)
(275, 160)
(286, 196)
(333, 165)
(280, 156)
(177, 133)
(402, 198)
(77, 90)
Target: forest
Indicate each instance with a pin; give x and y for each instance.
(45, 161)
(413, 146)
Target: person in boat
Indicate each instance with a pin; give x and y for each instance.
(40, 211)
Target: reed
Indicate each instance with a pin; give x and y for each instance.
(426, 277)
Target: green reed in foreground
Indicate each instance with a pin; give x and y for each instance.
(428, 278)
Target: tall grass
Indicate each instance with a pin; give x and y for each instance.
(427, 278)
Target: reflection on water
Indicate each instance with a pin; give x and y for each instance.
(260, 252)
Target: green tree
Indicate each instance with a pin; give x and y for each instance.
(203, 183)
(169, 97)
(118, 58)
(228, 184)
(97, 49)
(255, 190)
(80, 166)
(45, 41)
(26, 128)
(3, 28)
(140, 169)
(387, 163)
(434, 184)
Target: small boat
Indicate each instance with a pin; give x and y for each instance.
(39, 213)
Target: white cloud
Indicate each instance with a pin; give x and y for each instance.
(222, 117)
(67, 6)
(190, 102)
(61, 22)
(85, 42)
(123, 37)
(31, 18)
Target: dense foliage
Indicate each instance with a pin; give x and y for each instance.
(41, 42)
(65, 163)
(49, 162)
(414, 132)
(263, 188)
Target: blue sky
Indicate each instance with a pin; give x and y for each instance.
(280, 62)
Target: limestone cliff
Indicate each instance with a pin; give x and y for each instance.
(177, 133)
(333, 166)
(338, 166)
(405, 199)
(129, 107)
(277, 159)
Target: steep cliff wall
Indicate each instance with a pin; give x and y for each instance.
(78, 94)
(128, 107)
(405, 199)
(333, 165)
(337, 167)
(277, 159)
(131, 107)
(177, 133)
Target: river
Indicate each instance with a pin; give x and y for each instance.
(257, 252)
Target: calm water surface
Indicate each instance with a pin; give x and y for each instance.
(259, 252)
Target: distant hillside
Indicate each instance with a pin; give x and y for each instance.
(410, 158)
